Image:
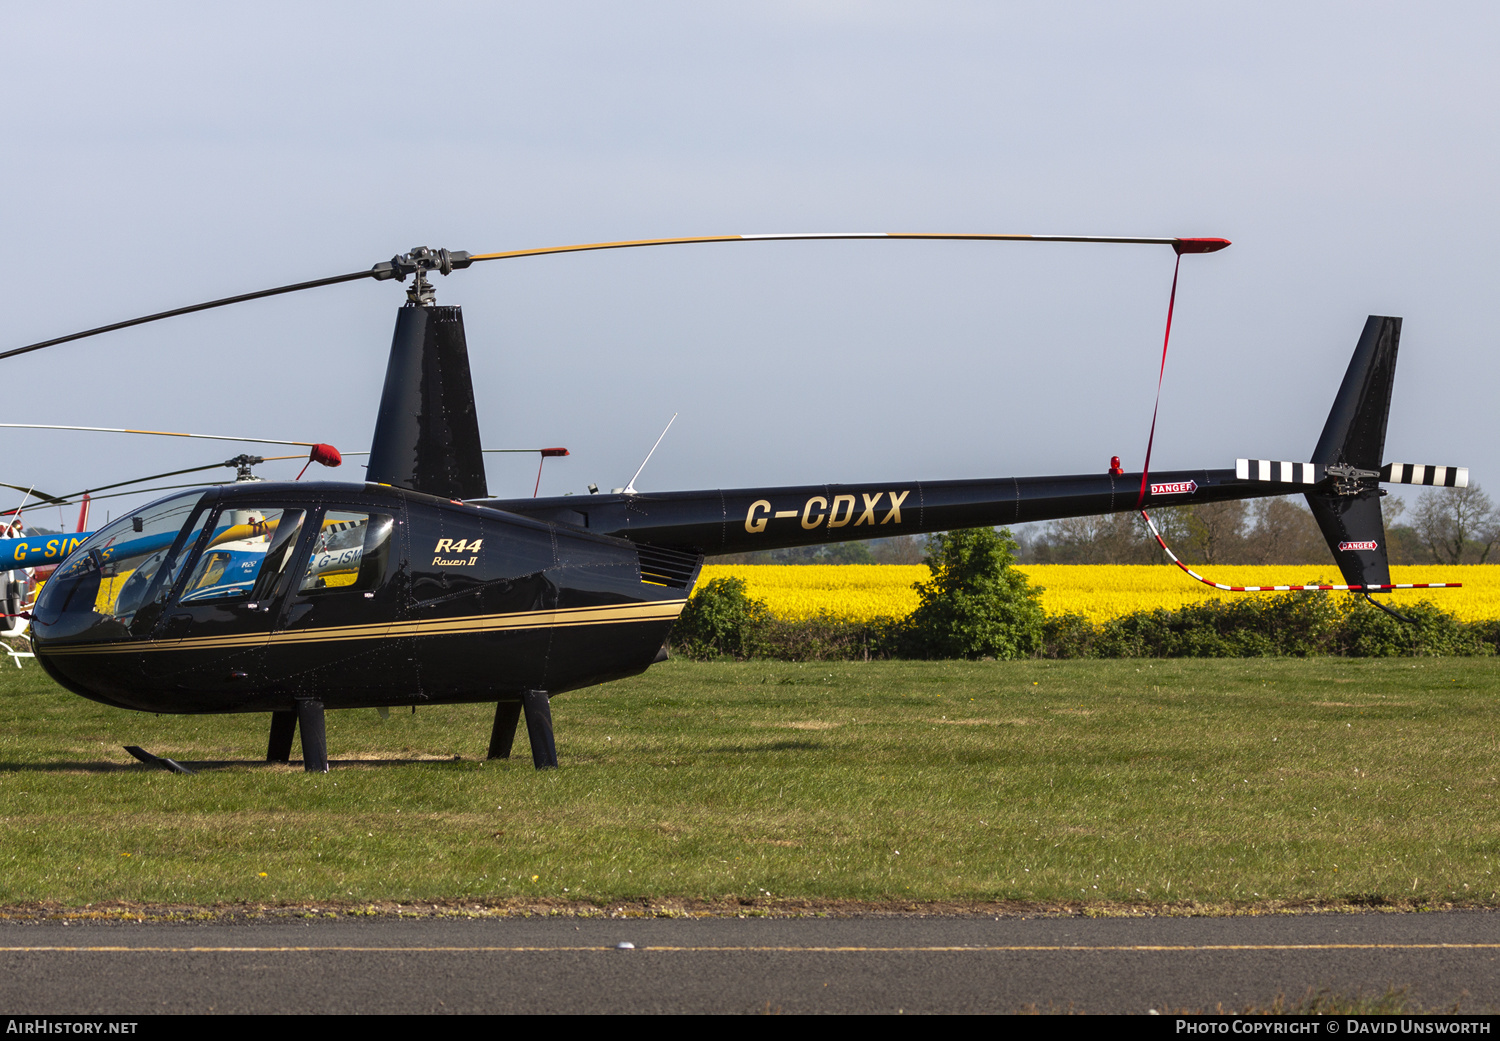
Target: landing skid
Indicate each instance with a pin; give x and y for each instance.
(170, 765)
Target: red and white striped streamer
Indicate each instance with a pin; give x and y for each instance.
(1289, 589)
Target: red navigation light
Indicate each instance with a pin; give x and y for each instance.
(1114, 465)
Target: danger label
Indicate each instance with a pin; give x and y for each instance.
(1358, 545)
(1175, 488)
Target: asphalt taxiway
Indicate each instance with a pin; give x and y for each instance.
(732, 965)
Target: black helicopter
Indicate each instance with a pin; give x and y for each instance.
(417, 587)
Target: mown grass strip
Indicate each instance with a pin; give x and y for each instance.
(1226, 782)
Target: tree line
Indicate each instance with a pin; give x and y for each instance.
(1447, 526)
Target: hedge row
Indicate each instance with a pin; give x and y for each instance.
(721, 621)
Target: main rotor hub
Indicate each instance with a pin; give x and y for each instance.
(418, 262)
(242, 467)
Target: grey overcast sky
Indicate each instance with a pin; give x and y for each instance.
(161, 154)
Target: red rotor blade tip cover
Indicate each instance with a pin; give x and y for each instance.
(1199, 245)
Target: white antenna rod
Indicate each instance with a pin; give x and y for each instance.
(630, 487)
(27, 496)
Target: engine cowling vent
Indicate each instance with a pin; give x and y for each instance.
(668, 567)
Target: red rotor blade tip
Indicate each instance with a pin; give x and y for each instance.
(548, 453)
(327, 455)
(1199, 245)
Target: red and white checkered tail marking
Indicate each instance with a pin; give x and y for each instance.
(1279, 471)
(1417, 473)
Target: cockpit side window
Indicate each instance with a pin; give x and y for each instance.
(152, 581)
(247, 549)
(279, 553)
(349, 553)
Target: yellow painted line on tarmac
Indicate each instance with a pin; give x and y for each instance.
(772, 949)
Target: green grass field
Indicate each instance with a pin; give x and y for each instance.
(1191, 783)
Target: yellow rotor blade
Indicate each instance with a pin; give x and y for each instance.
(1183, 245)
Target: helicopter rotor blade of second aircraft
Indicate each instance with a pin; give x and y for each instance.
(72, 497)
(160, 433)
(49, 499)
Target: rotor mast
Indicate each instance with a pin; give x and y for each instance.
(427, 430)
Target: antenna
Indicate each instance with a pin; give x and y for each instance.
(629, 488)
(15, 523)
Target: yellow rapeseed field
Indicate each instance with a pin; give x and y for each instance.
(865, 592)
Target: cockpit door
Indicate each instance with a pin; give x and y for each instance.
(333, 636)
(219, 616)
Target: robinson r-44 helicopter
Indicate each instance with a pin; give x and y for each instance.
(417, 587)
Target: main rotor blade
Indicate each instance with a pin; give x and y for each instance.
(157, 433)
(1181, 245)
(154, 477)
(421, 260)
(226, 301)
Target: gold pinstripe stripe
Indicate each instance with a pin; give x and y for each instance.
(652, 611)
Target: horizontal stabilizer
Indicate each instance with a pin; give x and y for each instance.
(1433, 476)
(1281, 472)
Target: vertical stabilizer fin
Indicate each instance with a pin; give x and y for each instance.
(1355, 431)
(1348, 510)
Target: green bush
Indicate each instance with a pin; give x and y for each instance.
(825, 639)
(1068, 636)
(1371, 633)
(720, 621)
(1288, 626)
(976, 605)
(1249, 628)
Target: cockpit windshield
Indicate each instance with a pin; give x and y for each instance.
(102, 583)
